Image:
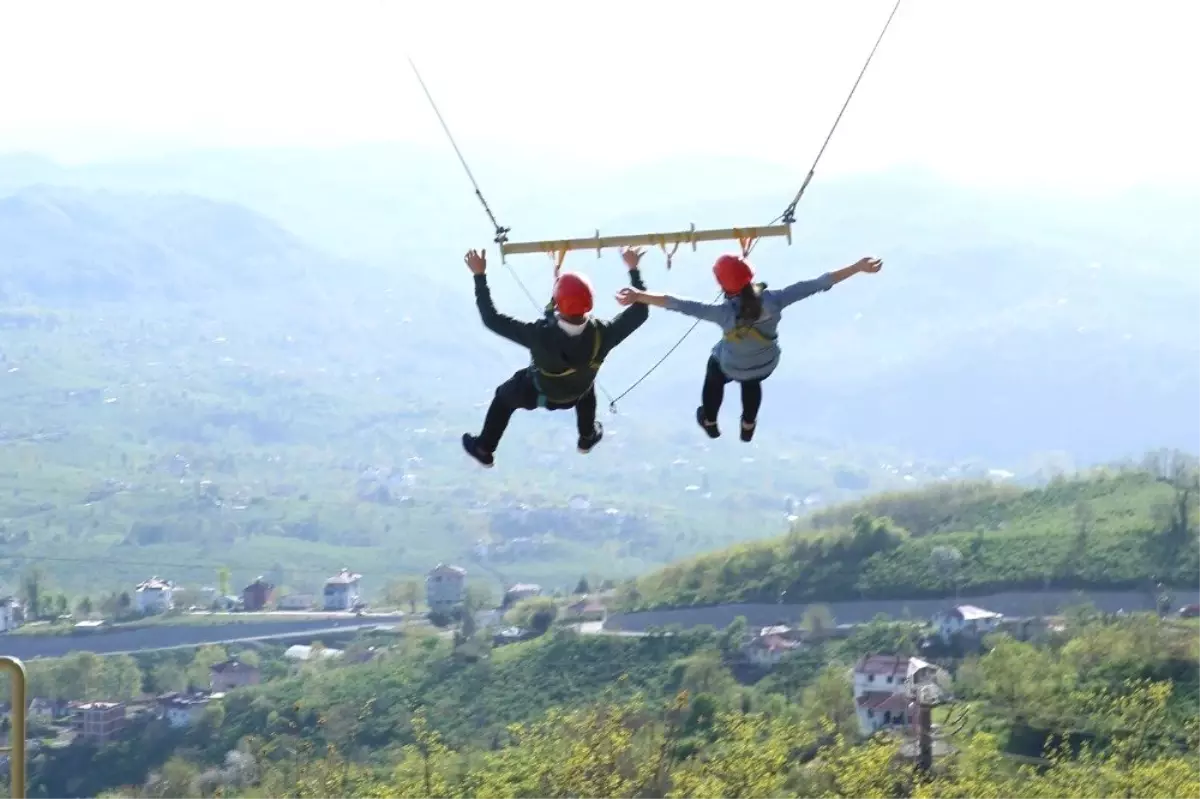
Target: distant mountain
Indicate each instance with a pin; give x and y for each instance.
(1004, 324)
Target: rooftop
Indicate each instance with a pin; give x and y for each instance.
(895, 665)
(154, 584)
(442, 568)
(883, 700)
(232, 666)
(343, 577)
(972, 613)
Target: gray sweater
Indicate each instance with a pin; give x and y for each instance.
(750, 353)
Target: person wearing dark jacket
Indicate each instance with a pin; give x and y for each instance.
(566, 347)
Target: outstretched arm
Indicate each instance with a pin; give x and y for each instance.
(720, 314)
(514, 330)
(806, 288)
(630, 319)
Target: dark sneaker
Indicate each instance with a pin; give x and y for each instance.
(748, 430)
(709, 428)
(586, 444)
(472, 448)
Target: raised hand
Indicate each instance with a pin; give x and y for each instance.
(632, 256)
(476, 261)
(871, 265)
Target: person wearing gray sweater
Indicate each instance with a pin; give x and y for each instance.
(749, 317)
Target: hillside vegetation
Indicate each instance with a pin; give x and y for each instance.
(571, 715)
(1114, 529)
(187, 385)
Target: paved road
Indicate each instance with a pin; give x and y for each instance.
(1012, 604)
(183, 636)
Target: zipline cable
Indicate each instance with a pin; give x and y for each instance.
(789, 213)
(501, 232)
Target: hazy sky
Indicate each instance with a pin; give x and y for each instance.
(1050, 91)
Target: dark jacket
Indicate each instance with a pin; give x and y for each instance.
(563, 366)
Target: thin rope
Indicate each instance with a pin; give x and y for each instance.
(501, 232)
(789, 213)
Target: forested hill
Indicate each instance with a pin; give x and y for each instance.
(1117, 528)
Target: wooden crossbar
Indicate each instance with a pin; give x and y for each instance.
(691, 236)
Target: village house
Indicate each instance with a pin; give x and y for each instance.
(98, 721)
(519, 591)
(965, 620)
(257, 595)
(155, 596)
(184, 710)
(232, 674)
(768, 649)
(445, 587)
(342, 591)
(587, 608)
(10, 614)
(881, 684)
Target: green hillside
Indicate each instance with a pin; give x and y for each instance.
(1111, 529)
(186, 386)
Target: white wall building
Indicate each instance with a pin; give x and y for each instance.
(965, 620)
(155, 596)
(881, 698)
(342, 591)
(445, 587)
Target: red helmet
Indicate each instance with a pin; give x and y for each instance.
(733, 273)
(573, 294)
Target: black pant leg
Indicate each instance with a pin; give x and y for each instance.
(585, 413)
(751, 400)
(516, 393)
(713, 391)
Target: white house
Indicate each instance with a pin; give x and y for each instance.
(767, 650)
(9, 614)
(444, 587)
(965, 620)
(155, 596)
(341, 591)
(881, 698)
(184, 710)
(519, 591)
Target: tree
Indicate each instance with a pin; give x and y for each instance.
(403, 592)
(84, 608)
(199, 673)
(223, 581)
(61, 604)
(582, 586)
(535, 613)
(31, 592)
(818, 620)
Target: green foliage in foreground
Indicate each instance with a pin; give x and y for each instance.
(1110, 530)
(1109, 703)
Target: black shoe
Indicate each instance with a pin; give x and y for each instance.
(586, 444)
(709, 428)
(472, 448)
(748, 432)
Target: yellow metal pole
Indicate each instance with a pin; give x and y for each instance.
(16, 764)
(692, 237)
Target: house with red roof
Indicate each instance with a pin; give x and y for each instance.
(881, 690)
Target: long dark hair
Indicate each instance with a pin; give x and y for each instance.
(750, 305)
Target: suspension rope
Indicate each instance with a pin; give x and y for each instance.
(501, 232)
(789, 214)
